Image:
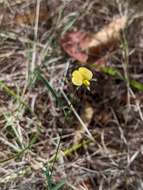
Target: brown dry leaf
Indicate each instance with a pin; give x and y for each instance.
(80, 45)
(87, 113)
(108, 36)
(23, 16)
(28, 17)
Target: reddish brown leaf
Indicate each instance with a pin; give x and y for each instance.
(73, 43)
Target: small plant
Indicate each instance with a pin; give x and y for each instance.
(48, 171)
(49, 181)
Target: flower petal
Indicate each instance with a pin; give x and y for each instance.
(86, 73)
(77, 78)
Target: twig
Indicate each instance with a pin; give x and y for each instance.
(77, 115)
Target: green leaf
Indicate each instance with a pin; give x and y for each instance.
(137, 85)
(115, 73)
(110, 71)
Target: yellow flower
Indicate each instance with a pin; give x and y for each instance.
(82, 76)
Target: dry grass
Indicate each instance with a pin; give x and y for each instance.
(100, 131)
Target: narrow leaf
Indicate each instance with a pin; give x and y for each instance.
(137, 85)
(47, 84)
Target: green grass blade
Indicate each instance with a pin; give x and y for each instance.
(10, 92)
(40, 77)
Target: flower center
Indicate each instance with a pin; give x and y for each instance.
(86, 83)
